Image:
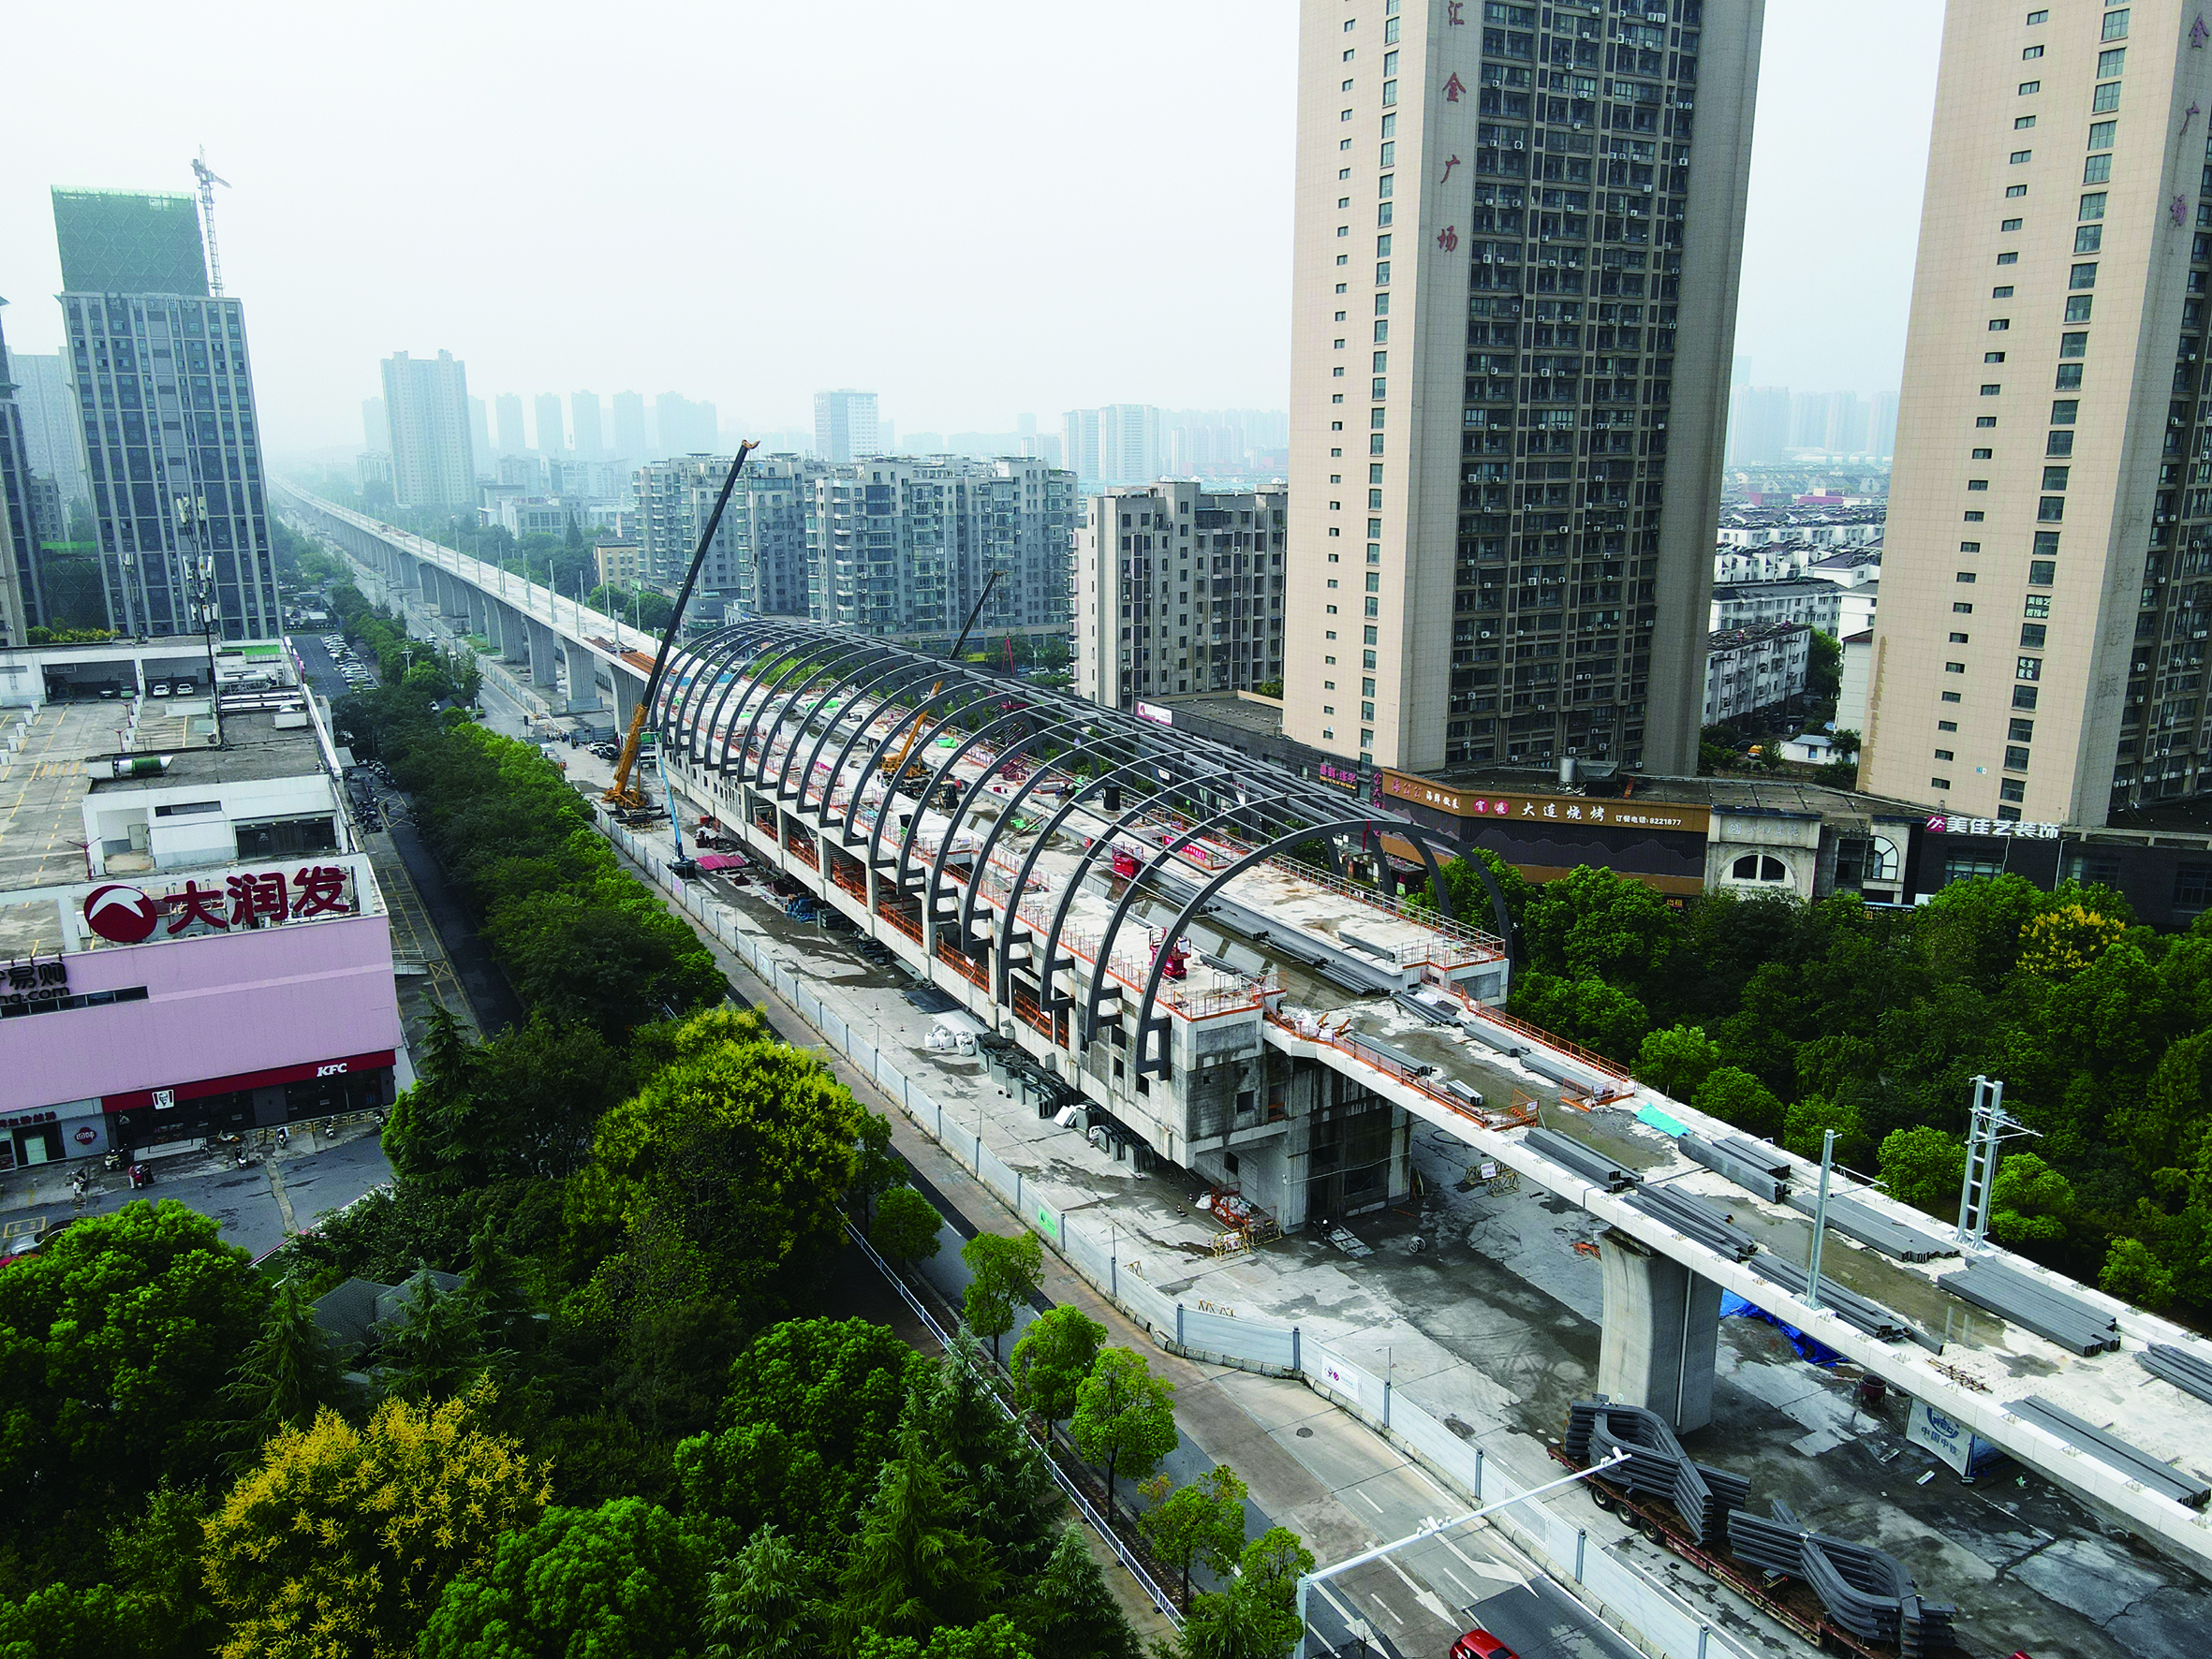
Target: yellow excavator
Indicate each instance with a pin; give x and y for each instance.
(622, 793)
(894, 766)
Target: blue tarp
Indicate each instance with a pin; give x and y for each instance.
(1809, 1349)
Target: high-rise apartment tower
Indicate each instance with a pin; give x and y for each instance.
(432, 457)
(2039, 650)
(844, 425)
(1514, 286)
(172, 439)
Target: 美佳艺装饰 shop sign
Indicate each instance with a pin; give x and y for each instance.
(123, 913)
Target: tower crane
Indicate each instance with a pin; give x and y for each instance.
(208, 180)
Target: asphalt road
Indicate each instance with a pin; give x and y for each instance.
(247, 1201)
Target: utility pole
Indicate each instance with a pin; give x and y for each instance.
(1812, 1263)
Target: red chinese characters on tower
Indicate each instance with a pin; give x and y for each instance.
(320, 891)
(1453, 88)
(254, 897)
(197, 904)
(1452, 11)
(1448, 238)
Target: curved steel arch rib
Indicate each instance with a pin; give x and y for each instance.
(1198, 902)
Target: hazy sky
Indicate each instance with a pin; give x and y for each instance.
(976, 209)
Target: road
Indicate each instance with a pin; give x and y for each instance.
(308, 1179)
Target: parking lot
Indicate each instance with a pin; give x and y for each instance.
(333, 667)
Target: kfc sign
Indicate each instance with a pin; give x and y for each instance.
(121, 915)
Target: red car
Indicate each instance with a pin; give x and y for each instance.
(1479, 1644)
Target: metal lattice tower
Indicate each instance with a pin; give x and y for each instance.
(208, 180)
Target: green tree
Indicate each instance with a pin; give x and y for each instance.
(1202, 1521)
(741, 1148)
(2028, 1200)
(289, 1373)
(1471, 900)
(880, 1169)
(1125, 1418)
(1001, 1472)
(996, 1638)
(1257, 1616)
(69, 1621)
(341, 1542)
(758, 1603)
(1678, 1059)
(437, 1352)
(1592, 923)
(1735, 1096)
(1003, 1272)
(916, 1564)
(1053, 1358)
(621, 1581)
(2135, 1275)
(1806, 1126)
(1585, 1010)
(905, 1228)
(1923, 1167)
(1068, 1611)
(522, 1105)
(155, 1558)
(115, 1342)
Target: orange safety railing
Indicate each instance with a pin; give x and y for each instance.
(1595, 1062)
(962, 963)
(849, 877)
(802, 848)
(905, 917)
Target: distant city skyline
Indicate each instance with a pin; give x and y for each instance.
(1831, 227)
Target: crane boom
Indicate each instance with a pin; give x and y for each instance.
(621, 792)
(895, 769)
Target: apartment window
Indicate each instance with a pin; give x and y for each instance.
(2031, 53)
(2011, 789)
(2039, 605)
(2070, 377)
(2003, 293)
(2107, 97)
(2011, 225)
(1998, 324)
(1946, 725)
(2031, 635)
(1953, 697)
(2092, 206)
(2022, 123)
(2054, 477)
(2016, 190)
(2058, 444)
(1969, 547)
(1977, 483)
(2042, 573)
(1955, 668)
(2082, 276)
(1983, 455)
(2088, 239)
(2079, 306)
(2050, 509)
(2024, 697)
(1961, 607)
(1993, 357)
(1984, 420)
(2098, 171)
(1959, 638)
(1945, 754)
(2115, 25)
(1945, 782)
(2027, 667)
(2101, 134)
(2027, 88)
(1975, 518)
(2021, 731)
(2072, 345)
(2016, 759)
(1990, 391)
(2008, 258)
(2034, 18)
(2193, 886)
(2021, 157)
(2110, 63)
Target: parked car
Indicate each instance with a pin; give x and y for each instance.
(159, 688)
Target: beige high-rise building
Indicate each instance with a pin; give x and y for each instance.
(1518, 235)
(2040, 650)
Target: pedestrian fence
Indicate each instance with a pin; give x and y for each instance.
(1647, 1611)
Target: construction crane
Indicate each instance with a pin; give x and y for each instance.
(622, 794)
(208, 182)
(894, 766)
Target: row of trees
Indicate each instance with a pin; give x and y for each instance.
(1790, 1020)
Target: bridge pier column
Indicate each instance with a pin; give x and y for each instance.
(1662, 1328)
(514, 634)
(583, 685)
(479, 609)
(626, 693)
(545, 673)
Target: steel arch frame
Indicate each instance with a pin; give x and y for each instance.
(1155, 866)
(1198, 900)
(907, 673)
(1038, 774)
(875, 667)
(960, 810)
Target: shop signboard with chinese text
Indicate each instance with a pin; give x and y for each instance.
(1505, 805)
